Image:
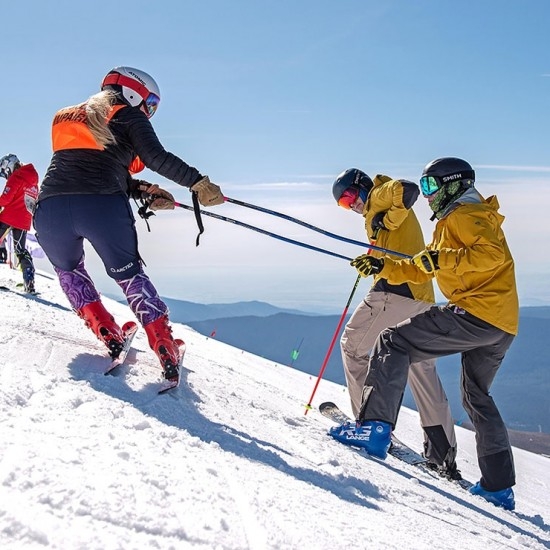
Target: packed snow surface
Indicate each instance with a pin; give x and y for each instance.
(227, 461)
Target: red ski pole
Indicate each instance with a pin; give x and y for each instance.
(329, 352)
(344, 313)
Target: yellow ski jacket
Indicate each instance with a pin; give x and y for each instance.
(476, 269)
(395, 198)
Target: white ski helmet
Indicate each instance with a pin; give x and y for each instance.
(8, 164)
(135, 86)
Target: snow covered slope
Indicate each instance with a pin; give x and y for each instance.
(228, 461)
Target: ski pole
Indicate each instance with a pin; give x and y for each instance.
(293, 220)
(344, 313)
(313, 228)
(264, 232)
(330, 348)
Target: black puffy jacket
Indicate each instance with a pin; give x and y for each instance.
(80, 166)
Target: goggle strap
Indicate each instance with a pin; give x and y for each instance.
(114, 79)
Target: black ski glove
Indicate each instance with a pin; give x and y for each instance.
(377, 222)
(367, 265)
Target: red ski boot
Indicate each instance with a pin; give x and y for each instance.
(104, 327)
(168, 350)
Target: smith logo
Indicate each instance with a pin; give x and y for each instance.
(452, 177)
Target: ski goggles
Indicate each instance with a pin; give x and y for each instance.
(349, 196)
(151, 104)
(429, 185)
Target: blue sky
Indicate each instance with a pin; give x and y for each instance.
(273, 99)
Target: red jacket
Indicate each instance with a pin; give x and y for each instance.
(19, 197)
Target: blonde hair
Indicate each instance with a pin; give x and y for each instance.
(97, 109)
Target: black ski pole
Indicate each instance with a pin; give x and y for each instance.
(313, 228)
(264, 232)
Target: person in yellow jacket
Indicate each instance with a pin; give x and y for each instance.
(471, 262)
(386, 205)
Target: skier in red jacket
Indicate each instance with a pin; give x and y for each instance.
(17, 204)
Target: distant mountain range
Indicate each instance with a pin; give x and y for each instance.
(521, 387)
(185, 312)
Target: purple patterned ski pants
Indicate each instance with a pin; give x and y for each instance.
(140, 293)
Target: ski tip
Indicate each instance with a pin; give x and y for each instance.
(182, 347)
(168, 385)
(113, 366)
(129, 328)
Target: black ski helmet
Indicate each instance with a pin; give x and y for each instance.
(448, 169)
(352, 177)
(446, 180)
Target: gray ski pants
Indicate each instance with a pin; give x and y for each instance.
(376, 312)
(438, 332)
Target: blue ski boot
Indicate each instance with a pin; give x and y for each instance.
(503, 498)
(371, 435)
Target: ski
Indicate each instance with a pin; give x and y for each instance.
(31, 292)
(172, 372)
(398, 449)
(129, 330)
(20, 290)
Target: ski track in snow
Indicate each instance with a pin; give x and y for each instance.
(227, 461)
